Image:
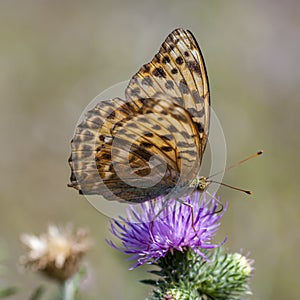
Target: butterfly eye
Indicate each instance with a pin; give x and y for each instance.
(202, 183)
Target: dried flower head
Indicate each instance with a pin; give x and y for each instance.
(57, 253)
(173, 229)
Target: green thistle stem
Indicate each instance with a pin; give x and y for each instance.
(68, 289)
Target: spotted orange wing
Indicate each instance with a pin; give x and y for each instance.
(129, 153)
(152, 143)
(177, 70)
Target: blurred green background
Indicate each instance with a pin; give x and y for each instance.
(56, 56)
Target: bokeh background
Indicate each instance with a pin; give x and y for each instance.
(56, 56)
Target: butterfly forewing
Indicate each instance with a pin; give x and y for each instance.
(177, 70)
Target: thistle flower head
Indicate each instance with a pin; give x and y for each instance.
(57, 253)
(186, 276)
(178, 226)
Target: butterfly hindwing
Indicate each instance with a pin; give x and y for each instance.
(137, 155)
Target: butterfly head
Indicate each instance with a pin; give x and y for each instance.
(200, 183)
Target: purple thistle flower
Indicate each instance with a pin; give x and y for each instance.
(170, 227)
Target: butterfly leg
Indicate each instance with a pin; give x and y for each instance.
(219, 203)
(192, 213)
(163, 206)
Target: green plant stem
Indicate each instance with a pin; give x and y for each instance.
(68, 290)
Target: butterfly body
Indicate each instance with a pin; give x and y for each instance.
(200, 183)
(151, 143)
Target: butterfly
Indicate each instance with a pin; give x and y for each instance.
(152, 142)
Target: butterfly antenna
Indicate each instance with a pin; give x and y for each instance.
(230, 186)
(237, 164)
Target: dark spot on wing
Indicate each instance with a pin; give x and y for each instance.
(144, 120)
(190, 152)
(183, 87)
(126, 107)
(106, 156)
(184, 144)
(132, 125)
(201, 112)
(146, 69)
(156, 127)
(146, 145)
(111, 116)
(169, 84)
(135, 91)
(179, 100)
(181, 118)
(159, 72)
(167, 138)
(172, 128)
(87, 148)
(143, 172)
(197, 97)
(166, 59)
(99, 148)
(171, 47)
(185, 134)
(179, 60)
(142, 153)
(148, 111)
(147, 81)
(193, 111)
(148, 134)
(199, 127)
(166, 148)
(143, 100)
(130, 135)
(174, 71)
(194, 67)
